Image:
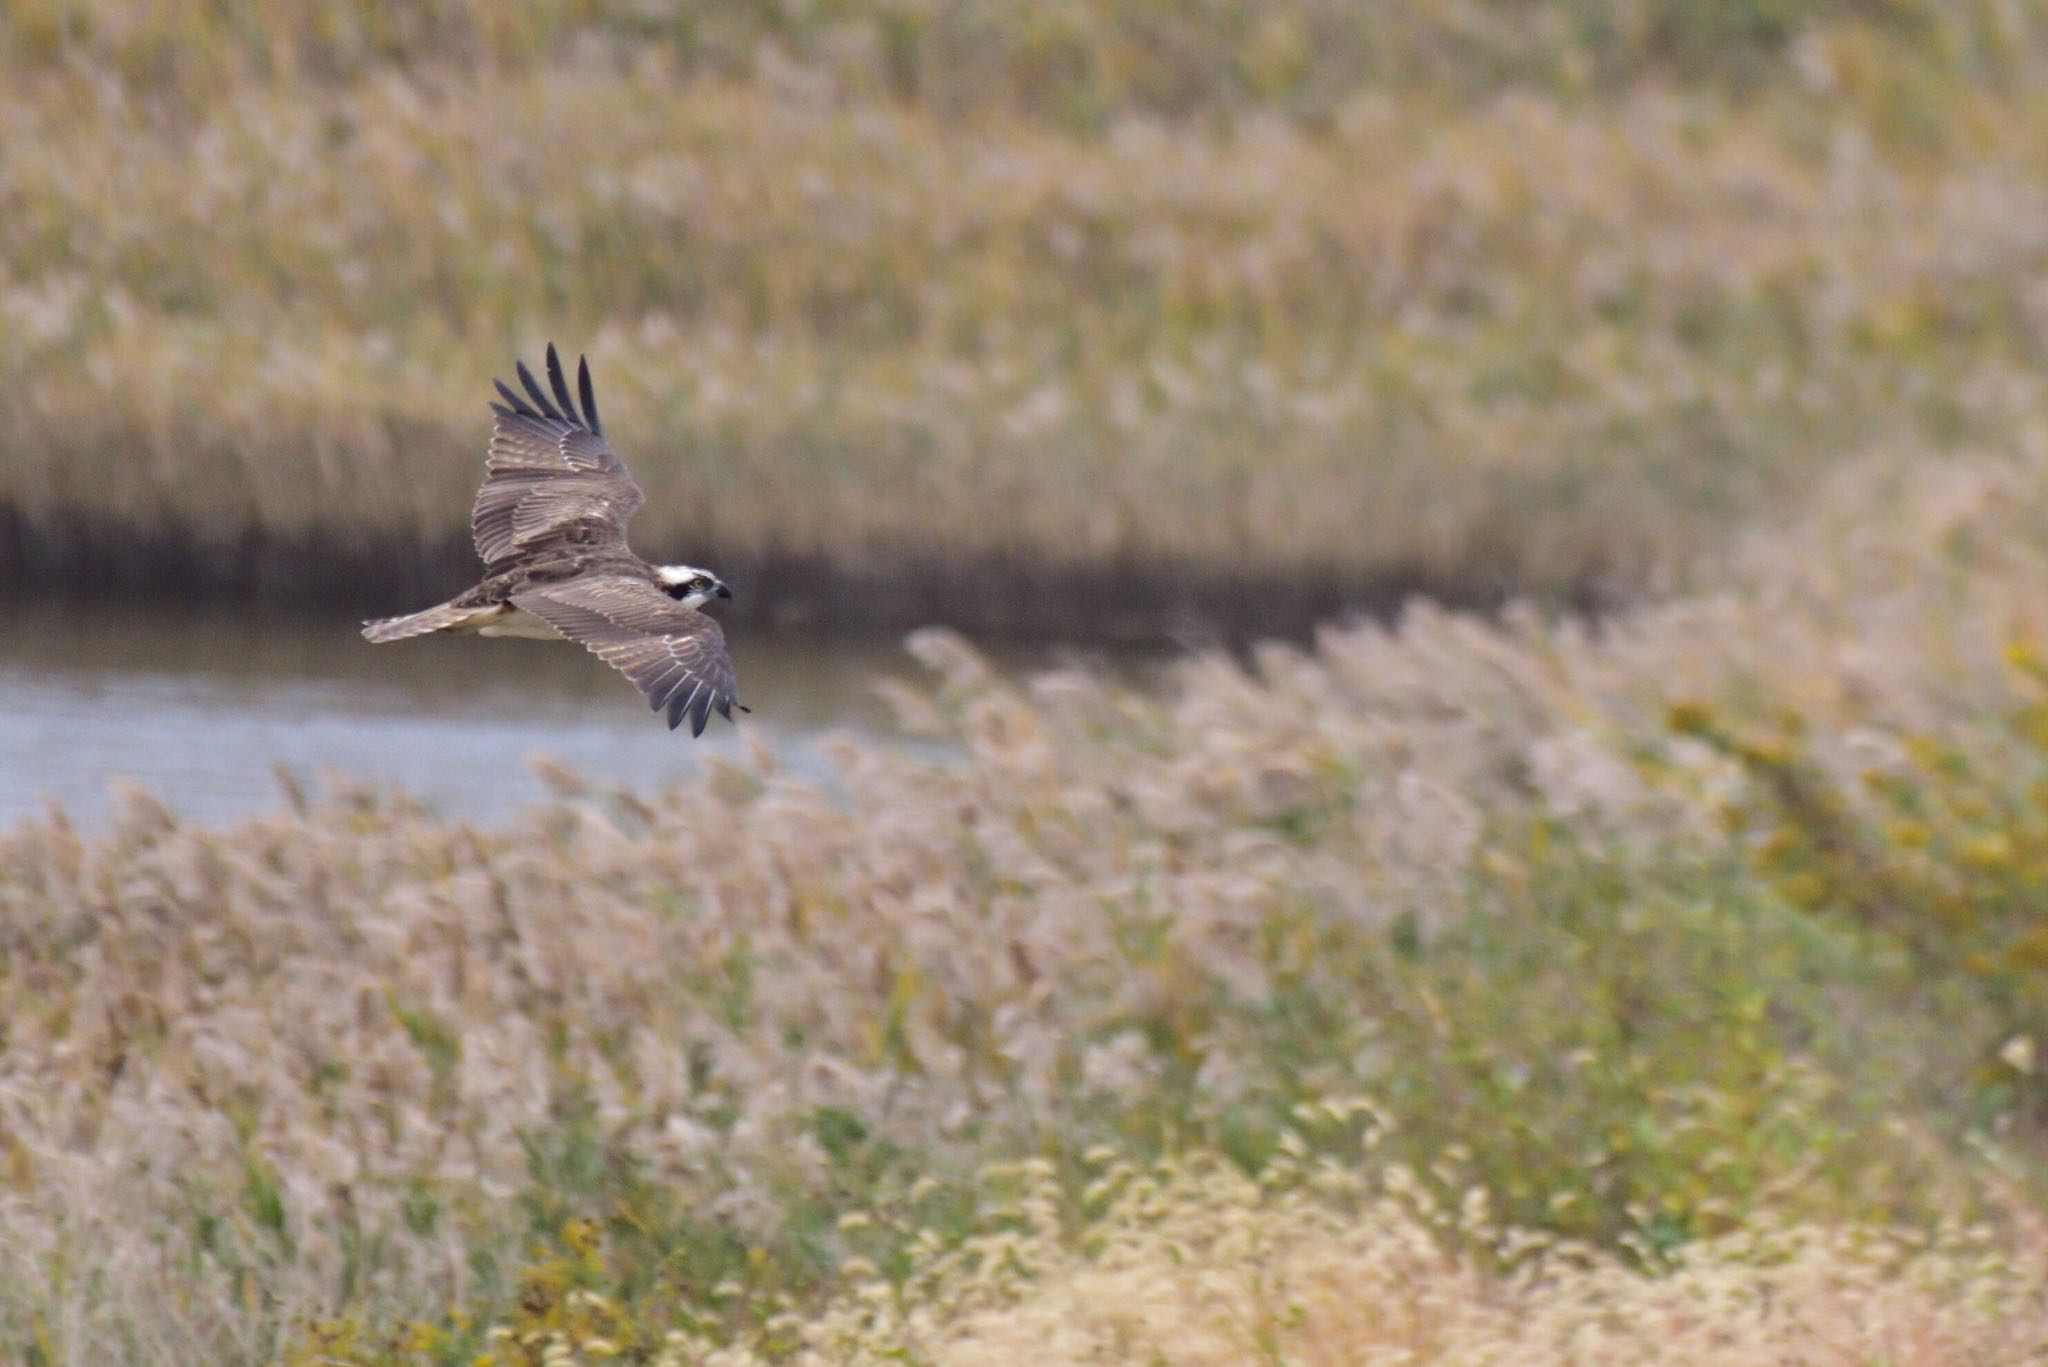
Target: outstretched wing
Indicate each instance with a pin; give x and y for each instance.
(553, 480)
(675, 655)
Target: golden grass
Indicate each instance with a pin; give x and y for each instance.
(347, 1061)
(1198, 1265)
(1317, 336)
(1193, 1263)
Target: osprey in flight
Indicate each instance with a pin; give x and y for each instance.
(550, 524)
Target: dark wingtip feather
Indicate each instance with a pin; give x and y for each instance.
(560, 382)
(743, 707)
(533, 387)
(589, 395)
(519, 405)
(725, 708)
(700, 716)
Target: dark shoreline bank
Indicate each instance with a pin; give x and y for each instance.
(994, 597)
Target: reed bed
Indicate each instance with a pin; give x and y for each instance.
(1197, 1264)
(1617, 930)
(1193, 1262)
(1460, 989)
(1014, 322)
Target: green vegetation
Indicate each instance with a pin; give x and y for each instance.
(1030, 316)
(1687, 948)
(1667, 987)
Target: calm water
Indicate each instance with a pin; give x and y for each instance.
(201, 709)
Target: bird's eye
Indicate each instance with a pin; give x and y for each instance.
(700, 583)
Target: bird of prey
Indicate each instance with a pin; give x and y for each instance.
(550, 524)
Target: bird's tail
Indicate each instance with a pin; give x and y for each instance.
(416, 623)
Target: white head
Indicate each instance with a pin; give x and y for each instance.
(689, 585)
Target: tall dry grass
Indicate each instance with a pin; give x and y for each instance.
(1460, 888)
(1192, 1262)
(1199, 1265)
(1018, 321)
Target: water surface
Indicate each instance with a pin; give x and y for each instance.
(202, 708)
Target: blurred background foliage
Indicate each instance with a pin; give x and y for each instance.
(1070, 64)
(1058, 318)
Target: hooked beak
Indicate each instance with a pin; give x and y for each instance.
(724, 592)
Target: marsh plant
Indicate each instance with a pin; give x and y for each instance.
(1168, 302)
(1664, 983)
(1524, 912)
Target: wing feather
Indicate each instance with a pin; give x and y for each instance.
(589, 396)
(519, 406)
(561, 387)
(551, 477)
(540, 399)
(674, 655)
(662, 684)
